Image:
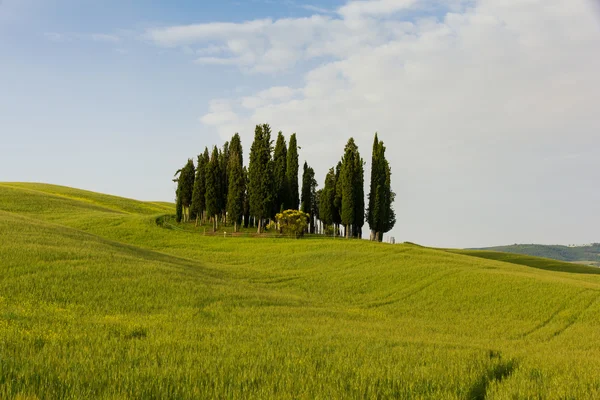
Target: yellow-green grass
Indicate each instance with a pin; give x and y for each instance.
(98, 301)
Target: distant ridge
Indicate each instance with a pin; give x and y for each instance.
(587, 254)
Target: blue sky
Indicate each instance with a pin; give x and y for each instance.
(487, 107)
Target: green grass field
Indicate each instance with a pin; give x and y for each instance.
(98, 301)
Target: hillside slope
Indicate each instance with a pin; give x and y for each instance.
(97, 301)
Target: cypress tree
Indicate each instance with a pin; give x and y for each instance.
(389, 216)
(246, 199)
(213, 187)
(185, 189)
(373, 209)
(327, 199)
(308, 199)
(292, 174)
(337, 200)
(380, 213)
(359, 195)
(235, 196)
(260, 175)
(198, 196)
(178, 209)
(279, 175)
(224, 181)
(348, 179)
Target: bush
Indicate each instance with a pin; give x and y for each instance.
(293, 222)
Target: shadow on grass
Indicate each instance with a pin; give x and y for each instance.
(496, 373)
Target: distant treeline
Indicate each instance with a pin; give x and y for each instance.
(220, 189)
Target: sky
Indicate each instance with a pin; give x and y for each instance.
(489, 109)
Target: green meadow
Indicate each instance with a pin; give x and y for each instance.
(98, 301)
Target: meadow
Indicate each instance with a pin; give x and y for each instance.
(97, 300)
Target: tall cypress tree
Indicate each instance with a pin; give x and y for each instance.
(292, 174)
(359, 195)
(279, 174)
(213, 188)
(235, 196)
(348, 180)
(380, 213)
(389, 216)
(373, 209)
(198, 196)
(337, 200)
(260, 175)
(308, 198)
(185, 189)
(224, 181)
(327, 199)
(246, 199)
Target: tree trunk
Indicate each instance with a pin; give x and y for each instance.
(259, 225)
(347, 231)
(235, 227)
(380, 236)
(196, 222)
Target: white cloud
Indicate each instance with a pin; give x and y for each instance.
(269, 96)
(481, 111)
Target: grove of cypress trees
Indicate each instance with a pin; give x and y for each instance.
(292, 167)
(280, 185)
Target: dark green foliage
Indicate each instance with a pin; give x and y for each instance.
(308, 199)
(236, 190)
(293, 196)
(260, 175)
(347, 177)
(327, 199)
(380, 213)
(337, 201)
(359, 196)
(213, 187)
(186, 181)
(246, 199)
(199, 193)
(280, 185)
(178, 209)
(235, 147)
(185, 188)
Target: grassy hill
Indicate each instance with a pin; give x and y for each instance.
(582, 254)
(98, 301)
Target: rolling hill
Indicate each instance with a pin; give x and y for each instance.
(98, 301)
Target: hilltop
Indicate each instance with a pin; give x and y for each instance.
(99, 301)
